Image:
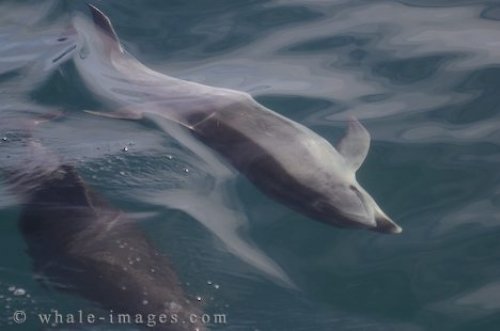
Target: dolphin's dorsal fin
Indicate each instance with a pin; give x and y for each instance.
(104, 24)
(355, 144)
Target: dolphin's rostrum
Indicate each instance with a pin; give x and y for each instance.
(284, 159)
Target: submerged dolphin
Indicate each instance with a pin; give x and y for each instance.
(284, 159)
(84, 245)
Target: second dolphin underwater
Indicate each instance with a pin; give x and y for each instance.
(284, 159)
(82, 244)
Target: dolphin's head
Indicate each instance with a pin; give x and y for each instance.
(331, 193)
(348, 205)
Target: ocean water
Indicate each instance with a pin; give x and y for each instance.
(422, 76)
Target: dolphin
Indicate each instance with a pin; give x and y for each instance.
(284, 159)
(81, 244)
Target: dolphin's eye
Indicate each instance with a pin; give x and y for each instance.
(358, 193)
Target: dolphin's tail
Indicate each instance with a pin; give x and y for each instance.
(104, 24)
(107, 32)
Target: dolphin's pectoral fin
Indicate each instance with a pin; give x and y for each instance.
(121, 114)
(125, 114)
(355, 144)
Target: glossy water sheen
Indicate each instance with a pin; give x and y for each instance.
(422, 76)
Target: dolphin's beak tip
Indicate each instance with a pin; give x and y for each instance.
(397, 230)
(386, 225)
(392, 229)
